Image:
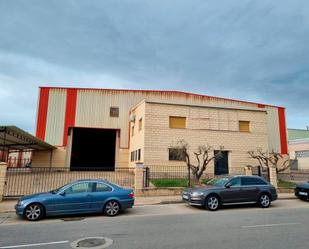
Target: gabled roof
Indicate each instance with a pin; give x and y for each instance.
(260, 105)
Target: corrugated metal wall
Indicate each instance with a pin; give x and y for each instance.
(274, 142)
(55, 116)
(93, 110)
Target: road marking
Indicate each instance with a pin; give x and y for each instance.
(37, 244)
(273, 225)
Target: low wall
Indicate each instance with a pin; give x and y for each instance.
(158, 192)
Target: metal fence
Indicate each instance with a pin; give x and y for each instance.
(22, 181)
(157, 174)
(15, 162)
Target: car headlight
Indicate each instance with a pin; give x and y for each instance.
(197, 193)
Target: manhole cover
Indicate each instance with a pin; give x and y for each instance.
(93, 242)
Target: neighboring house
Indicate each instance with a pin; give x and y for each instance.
(299, 148)
(102, 129)
(17, 158)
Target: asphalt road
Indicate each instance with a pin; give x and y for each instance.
(284, 225)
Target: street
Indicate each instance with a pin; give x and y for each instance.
(284, 225)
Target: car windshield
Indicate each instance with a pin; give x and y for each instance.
(55, 191)
(218, 182)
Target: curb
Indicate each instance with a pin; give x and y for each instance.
(166, 202)
(180, 201)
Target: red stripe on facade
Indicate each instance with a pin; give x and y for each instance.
(70, 111)
(20, 158)
(282, 128)
(42, 113)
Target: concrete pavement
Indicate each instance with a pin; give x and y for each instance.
(8, 205)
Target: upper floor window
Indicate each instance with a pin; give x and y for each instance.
(140, 124)
(177, 122)
(244, 126)
(114, 112)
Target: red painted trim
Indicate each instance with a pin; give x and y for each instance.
(42, 113)
(161, 92)
(282, 128)
(261, 106)
(70, 111)
(20, 157)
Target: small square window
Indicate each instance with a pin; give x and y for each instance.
(114, 112)
(244, 126)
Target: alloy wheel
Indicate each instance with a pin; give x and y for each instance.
(112, 208)
(212, 203)
(34, 212)
(264, 200)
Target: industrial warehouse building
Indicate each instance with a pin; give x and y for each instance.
(102, 129)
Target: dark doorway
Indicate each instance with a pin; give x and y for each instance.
(221, 163)
(93, 149)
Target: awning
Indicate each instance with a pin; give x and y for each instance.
(13, 138)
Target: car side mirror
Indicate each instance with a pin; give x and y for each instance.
(228, 185)
(62, 193)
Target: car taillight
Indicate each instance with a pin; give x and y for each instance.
(131, 195)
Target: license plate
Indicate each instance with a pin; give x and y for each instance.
(302, 193)
(185, 197)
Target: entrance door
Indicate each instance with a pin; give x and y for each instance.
(221, 163)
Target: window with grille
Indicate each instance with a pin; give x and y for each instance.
(176, 155)
(114, 112)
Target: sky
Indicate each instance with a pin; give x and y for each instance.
(249, 50)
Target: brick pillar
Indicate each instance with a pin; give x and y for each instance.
(248, 171)
(3, 167)
(273, 176)
(139, 177)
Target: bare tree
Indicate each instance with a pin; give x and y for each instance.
(202, 155)
(270, 159)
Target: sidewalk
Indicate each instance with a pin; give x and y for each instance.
(8, 205)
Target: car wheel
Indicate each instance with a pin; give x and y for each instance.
(212, 203)
(264, 201)
(34, 212)
(112, 208)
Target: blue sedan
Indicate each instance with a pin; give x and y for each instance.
(82, 196)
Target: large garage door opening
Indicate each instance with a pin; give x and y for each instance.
(93, 149)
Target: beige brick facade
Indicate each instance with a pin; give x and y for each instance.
(204, 126)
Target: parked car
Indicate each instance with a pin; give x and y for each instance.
(233, 190)
(302, 191)
(82, 196)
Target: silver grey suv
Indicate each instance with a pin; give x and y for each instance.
(233, 190)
